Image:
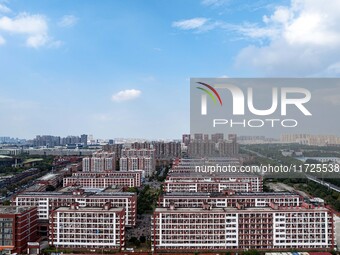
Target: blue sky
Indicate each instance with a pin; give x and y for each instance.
(122, 68)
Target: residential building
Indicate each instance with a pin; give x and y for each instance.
(50, 179)
(167, 150)
(83, 139)
(240, 228)
(209, 186)
(100, 162)
(46, 141)
(99, 182)
(133, 159)
(78, 227)
(217, 137)
(309, 139)
(216, 182)
(18, 226)
(217, 146)
(137, 175)
(229, 198)
(186, 139)
(48, 201)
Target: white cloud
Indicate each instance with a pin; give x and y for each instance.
(24, 24)
(333, 68)
(214, 2)
(190, 24)
(68, 21)
(34, 27)
(204, 25)
(126, 95)
(250, 30)
(302, 39)
(4, 9)
(2, 40)
(35, 41)
(328, 95)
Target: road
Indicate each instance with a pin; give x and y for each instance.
(326, 184)
(255, 152)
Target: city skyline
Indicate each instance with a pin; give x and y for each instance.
(71, 67)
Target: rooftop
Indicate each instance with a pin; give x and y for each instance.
(237, 194)
(48, 177)
(90, 209)
(13, 209)
(208, 175)
(70, 194)
(100, 177)
(235, 210)
(35, 186)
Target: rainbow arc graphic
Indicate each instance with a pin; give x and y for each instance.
(211, 92)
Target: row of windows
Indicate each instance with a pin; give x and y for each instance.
(6, 242)
(80, 240)
(78, 216)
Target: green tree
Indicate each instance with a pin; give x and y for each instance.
(132, 189)
(251, 252)
(142, 239)
(50, 188)
(133, 239)
(6, 203)
(137, 243)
